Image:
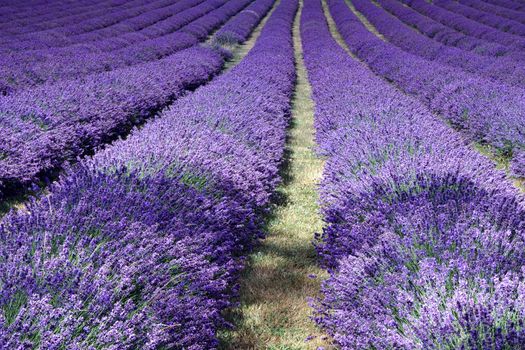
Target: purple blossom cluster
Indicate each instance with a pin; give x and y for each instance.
(502, 69)
(139, 247)
(495, 9)
(424, 238)
(486, 111)
(238, 29)
(465, 25)
(503, 24)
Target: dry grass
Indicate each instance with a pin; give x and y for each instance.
(335, 33)
(17, 203)
(275, 287)
(501, 162)
(365, 21)
(239, 51)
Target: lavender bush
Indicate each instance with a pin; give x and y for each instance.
(425, 238)
(62, 16)
(486, 111)
(17, 14)
(145, 26)
(31, 70)
(62, 32)
(515, 5)
(139, 247)
(46, 126)
(201, 27)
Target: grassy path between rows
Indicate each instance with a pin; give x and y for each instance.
(277, 283)
(335, 33)
(239, 51)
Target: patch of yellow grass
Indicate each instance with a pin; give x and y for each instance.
(335, 33)
(365, 21)
(277, 284)
(501, 162)
(239, 51)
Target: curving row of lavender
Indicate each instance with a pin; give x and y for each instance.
(62, 29)
(32, 14)
(517, 5)
(45, 126)
(146, 26)
(139, 247)
(60, 13)
(495, 21)
(238, 29)
(514, 5)
(425, 239)
(202, 27)
(55, 29)
(149, 25)
(466, 25)
(495, 9)
(31, 70)
(502, 69)
(57, 24)
(488, 112)
(446, 35)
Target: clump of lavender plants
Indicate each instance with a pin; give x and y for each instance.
(424, 239)
(139, 246)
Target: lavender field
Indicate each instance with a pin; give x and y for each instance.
(262, 174)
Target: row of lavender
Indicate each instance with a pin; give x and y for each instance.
(488, 112)
(44, 127)
(139, 246)
(511, 4)
(502, 69)
(236, 31)
(152, 24)
(146, 42)
(503, 24)
(466, 25)
(57, 25)
(153, 21)
(425, 239)
(514, 12)
(447, 35)
(18, 14)
(99, 25)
